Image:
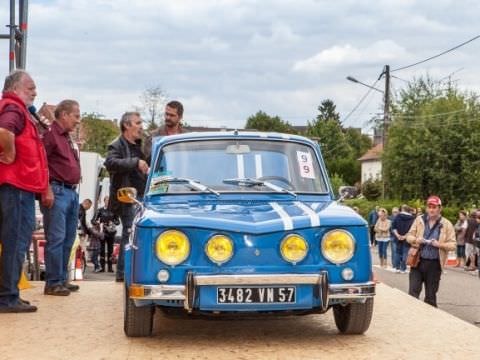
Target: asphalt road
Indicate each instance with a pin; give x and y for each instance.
(459, 292)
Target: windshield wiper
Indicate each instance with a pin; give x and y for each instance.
(191, 183)
(255, 182)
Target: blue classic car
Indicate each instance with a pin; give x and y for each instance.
(244, 222)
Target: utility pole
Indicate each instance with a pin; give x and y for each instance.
(17, 36)
(386, 106)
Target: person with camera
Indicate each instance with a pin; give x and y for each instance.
(434, 237)
(108, 222)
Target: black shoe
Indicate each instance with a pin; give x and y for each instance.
(56, 290)
(110, 270)
(102, 270)
(26, 302)
(119, 279)
(20, 307)
(97, 270)
(72, 287)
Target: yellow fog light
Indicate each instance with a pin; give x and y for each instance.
(219, 249)
(172, 247)
(294, 248)
(136, 291)
(338, 246)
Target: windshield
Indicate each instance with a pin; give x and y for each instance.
(232, 165)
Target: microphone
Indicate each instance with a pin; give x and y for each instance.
(33, 110)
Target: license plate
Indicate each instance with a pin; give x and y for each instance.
(256, 295)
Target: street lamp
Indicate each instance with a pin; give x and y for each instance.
(352, 79)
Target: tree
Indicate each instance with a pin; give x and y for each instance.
(340, 147)
(153, 100)
(98, 133)
(372, 189)
(263, 122)
(433, 144)
(328, 111)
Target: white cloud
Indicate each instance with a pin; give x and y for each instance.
(379, 52)
(226, 59)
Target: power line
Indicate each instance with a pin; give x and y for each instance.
(428, 116)
(360, 102)
(438, 55)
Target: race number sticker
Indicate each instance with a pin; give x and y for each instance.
(306, 164)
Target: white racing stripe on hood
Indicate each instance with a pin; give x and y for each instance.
(287, 220)
(314, 219)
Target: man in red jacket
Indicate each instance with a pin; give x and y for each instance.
(23, 174)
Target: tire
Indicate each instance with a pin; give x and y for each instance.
(138, 321)
(354, 318)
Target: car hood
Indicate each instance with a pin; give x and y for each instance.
(253, 217)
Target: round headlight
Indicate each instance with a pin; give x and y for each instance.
(294, 248)
(338, 246)
(219, 249)
(172, 247)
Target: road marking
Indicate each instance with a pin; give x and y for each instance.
(287, 220)
(314, 219)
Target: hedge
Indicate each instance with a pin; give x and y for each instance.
(365, 206)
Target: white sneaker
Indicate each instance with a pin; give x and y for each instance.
(397, 271)
(403, 271)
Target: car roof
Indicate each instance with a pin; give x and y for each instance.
(235, 134)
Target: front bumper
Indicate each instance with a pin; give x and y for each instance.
(322, 288)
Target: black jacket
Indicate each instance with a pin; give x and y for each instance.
(120, 164)
(402, 223)
(108, 219)
(82, 221)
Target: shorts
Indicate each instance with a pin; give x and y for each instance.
(460, 251)
(470, 250)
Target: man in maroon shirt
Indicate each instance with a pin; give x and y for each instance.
(60, 203)
(23, 173)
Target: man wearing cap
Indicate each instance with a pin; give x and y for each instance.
(435, 237)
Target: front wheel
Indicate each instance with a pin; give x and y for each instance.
(138, 321)
(353, 318)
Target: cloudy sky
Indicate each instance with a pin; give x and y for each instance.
(227, 59)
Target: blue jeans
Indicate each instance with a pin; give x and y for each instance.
(60, 223)
(127, 221)
(95, 254)
(382, 249)
(17, 222)
(395, 257)
(403, 254)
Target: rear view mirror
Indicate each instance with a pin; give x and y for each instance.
(127, 195)
(238, 149)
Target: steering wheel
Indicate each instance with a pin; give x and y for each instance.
(278, 178)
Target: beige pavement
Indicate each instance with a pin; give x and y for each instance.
(88, 325)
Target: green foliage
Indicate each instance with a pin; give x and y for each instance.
(372, 189)
(98, 133)
(433, 144)
(365, 206)
(340, 147)
(263, 122)
(336, 181)
(328, 111)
